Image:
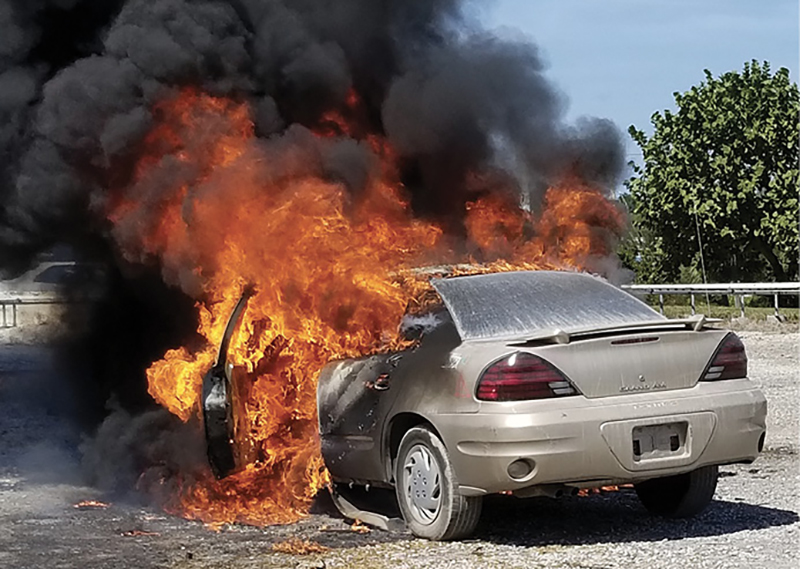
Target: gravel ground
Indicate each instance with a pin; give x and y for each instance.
(753, 522)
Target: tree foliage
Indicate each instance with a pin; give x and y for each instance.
(721, 171)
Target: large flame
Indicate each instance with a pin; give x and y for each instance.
(220, 209)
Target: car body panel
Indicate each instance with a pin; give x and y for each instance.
(350, 409)
(444, 398)
(639, 412)
(586, 442)
(638, 383)
(628, 363)
(520, 304)
(354, 415)
(222, 418)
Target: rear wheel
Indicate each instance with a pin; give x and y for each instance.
(427, 489)
(681, 496)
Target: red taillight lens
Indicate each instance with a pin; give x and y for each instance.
(730, 361)
(520, 377)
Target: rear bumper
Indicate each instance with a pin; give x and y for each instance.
(584, 442)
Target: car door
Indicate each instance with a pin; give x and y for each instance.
(357, 399)
(354, 398)
(351, 420)
(219, 401)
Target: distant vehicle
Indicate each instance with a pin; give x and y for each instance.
(530, 383)
(55, 277)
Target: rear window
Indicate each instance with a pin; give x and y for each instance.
(520, 304)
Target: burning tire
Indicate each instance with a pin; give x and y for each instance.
(681, 496)
(427, 489)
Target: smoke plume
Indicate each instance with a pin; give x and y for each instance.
(451, 99)
(81, 83)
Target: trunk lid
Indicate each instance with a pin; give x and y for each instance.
(636, 362)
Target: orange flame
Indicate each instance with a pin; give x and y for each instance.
(87, 504)
(297, 546)
(219, 209)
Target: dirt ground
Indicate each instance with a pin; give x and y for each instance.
(753, 521)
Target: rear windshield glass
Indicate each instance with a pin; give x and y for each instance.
(519, 304)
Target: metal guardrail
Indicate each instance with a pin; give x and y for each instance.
(738, 290)
(10, 301)
(5, 318)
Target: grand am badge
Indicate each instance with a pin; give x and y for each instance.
(643, 387)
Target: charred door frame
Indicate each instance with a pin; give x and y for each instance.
(217, 400)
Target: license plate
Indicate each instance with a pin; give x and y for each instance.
(657, 441)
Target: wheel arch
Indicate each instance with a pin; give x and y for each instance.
(398, 426)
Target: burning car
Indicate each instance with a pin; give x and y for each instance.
(529, 383)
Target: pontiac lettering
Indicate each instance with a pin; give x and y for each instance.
(643, 387)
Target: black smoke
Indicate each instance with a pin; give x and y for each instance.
(79, 80)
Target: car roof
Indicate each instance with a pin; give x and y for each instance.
(521, 304)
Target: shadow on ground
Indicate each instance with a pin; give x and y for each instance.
(608, 517)
(612, 517)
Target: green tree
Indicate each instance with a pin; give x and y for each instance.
(722, 171)
(640, 249)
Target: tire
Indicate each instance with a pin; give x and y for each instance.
(427, 489)
(681, 496)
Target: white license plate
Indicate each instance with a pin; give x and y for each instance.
(657, 441)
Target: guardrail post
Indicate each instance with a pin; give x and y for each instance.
(5, 318)
(736, 290)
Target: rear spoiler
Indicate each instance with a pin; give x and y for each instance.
(558, 336)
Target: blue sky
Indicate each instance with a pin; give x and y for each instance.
(623, 59)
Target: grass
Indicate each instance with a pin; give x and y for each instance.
(728, 312)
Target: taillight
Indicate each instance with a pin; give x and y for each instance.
(519, 377)
(729, 362)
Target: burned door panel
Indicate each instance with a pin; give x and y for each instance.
(356, 400)
(219, 400)
(353, 398)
